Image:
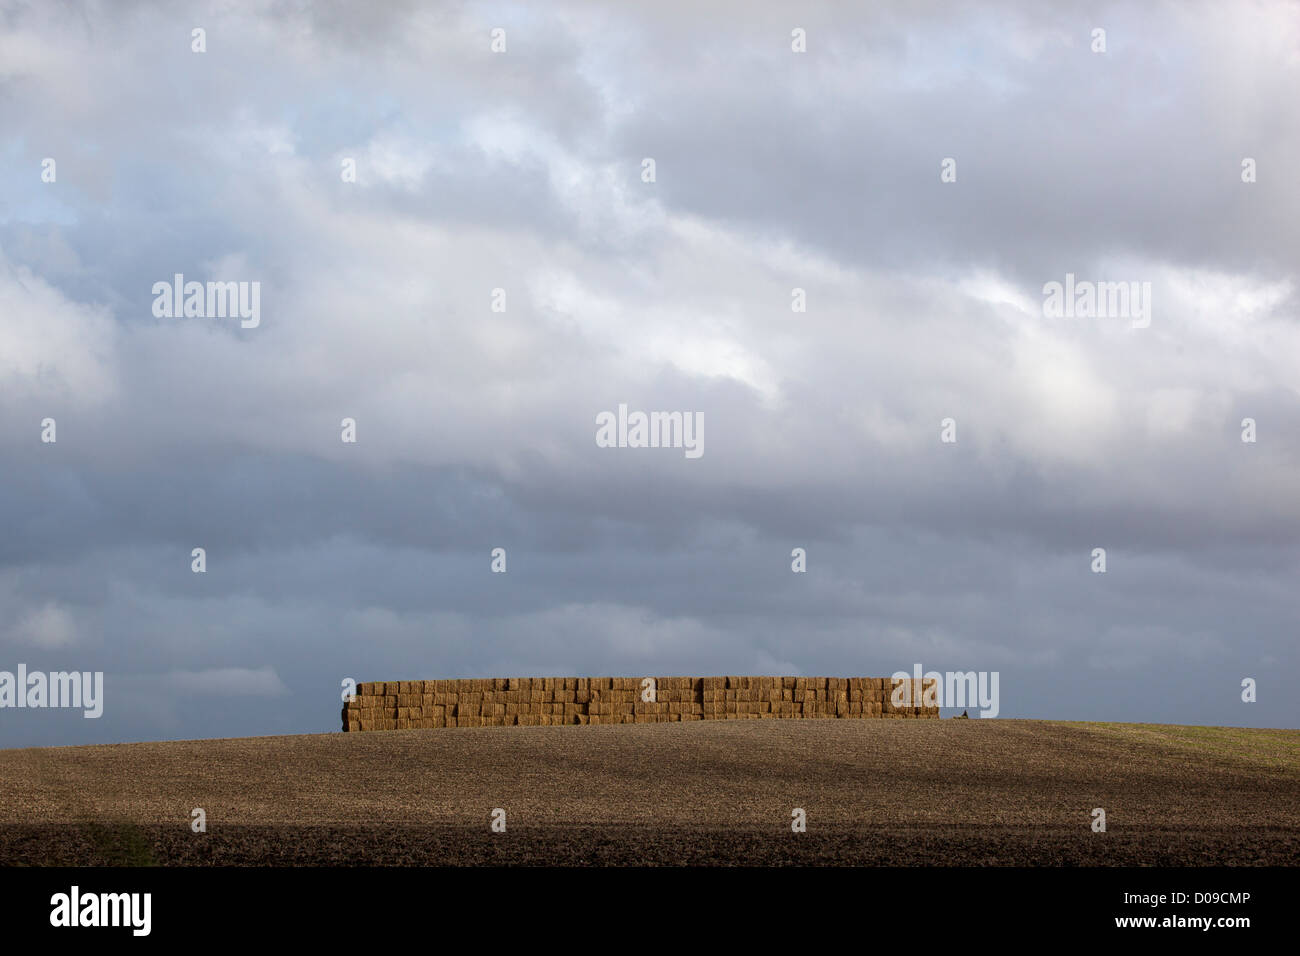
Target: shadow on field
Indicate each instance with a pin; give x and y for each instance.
(127, 845)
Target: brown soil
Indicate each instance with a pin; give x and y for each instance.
(875, 792)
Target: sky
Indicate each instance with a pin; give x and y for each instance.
(921, 171)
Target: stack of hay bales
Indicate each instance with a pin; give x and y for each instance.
(547, 701)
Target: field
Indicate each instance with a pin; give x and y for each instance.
(950, 792)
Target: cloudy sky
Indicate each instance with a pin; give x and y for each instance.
(523, 171)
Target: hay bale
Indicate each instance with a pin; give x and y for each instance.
(508, 701)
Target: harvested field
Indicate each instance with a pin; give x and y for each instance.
(876, 792)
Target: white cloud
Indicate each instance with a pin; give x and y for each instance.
(48, 627)
(52, 347)
(225, 682)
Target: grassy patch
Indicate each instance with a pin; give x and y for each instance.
(120, 844)
(1279, 749)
